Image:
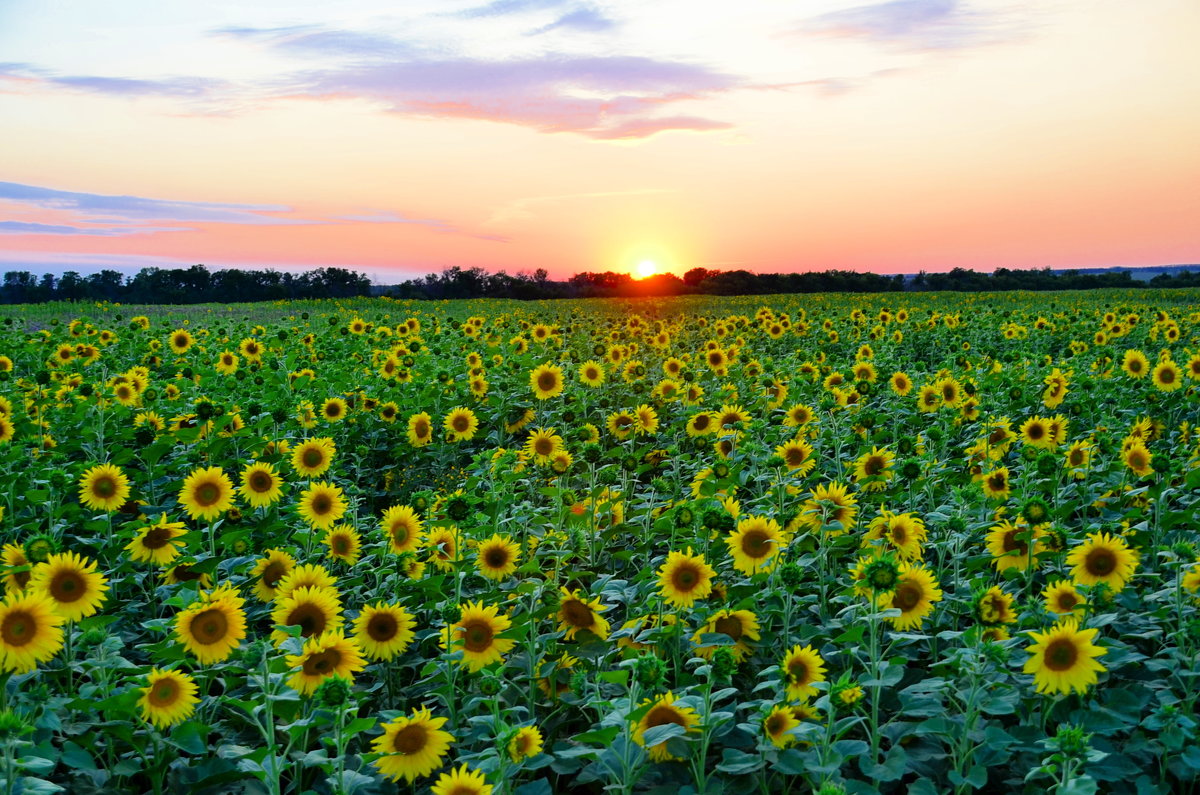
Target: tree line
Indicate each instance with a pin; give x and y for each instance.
(199, 285)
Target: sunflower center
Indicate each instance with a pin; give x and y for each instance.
(104, 486)
(312, 457)
(261, 482)
(543, 446)
(411, 739)
(795, 456)
(210, 626)
(18, 629)
(272, 574)
(1076, 458)
(461, 423)
(776, 724)
(873, 465)
(899, 535)
(207, 494)
(321, 504)
(908, 596)
(685, 578)
(164, 693)
(1100, 562)
(421, 429)
(997, 436)
(1011, 544)
(382, 627)
(1035, 432)
(156, 538)
(67, 586)
(701, 422)
(661, 715)
(341, 545)
(798, 671)
(322, 663)
(1137, 460)
(310, 619)
(496, 557)
(547, 381)
(1061, 655)
(477, 636)
(577, 614)
(728, 625)
(332, 410)
(756, 544)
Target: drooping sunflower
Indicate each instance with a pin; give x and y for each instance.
(684, 578)
(1103, 558)
(344, 542)
(621, 424)
(477, 635)
(526, 743)
(829, 503)
(270, 569)
(664, 710)
(460, 424)
(206, 493)
(168, 698)
(797, 455)
(212, 627)
(420, 429)
(1137, 458)
(577, 613)
(104, 488)
(261, 485)
(312, 457)
(444, 545)
(14, 557)
(994, 607)
(323, 656)
(1063, 659)
(546, 381)
(756, 544)
(1010, 545)
(403, 529)
(30, 631)
(739, 625)
(72, 583)
(156, 543)
(497, 557)
(915, 593)
(873, 470)
(315, 610)
(1062, 599)
(322, 505)
(411, 746)
(384, 630)
(646, 418)
(802, 667)
(778, 725)
(461, 781)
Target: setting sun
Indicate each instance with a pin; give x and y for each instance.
(646, 268)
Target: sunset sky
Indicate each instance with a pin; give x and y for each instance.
(400, 138)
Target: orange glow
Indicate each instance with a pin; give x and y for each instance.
(646, 268)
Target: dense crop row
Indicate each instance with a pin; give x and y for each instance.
(899, 544)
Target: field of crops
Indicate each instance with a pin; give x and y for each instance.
(898, 543)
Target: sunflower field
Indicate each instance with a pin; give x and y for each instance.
(878, 544)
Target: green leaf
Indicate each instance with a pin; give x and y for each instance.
(190, 737)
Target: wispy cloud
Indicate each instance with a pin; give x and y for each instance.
(913, 24)
(587, 19)
(30, 228)
(315, 40)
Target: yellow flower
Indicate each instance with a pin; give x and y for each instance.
(322, 505)
(1063, 659)
(323, 656)
(664, 710)
(411, 746)
(168, 698)
(261, 485)
(684, 578)
(206, 493)
(155, 543)
(212, 627)
(104, 488)
(577, 613)
(384, 630)
(72, 583)
(30, 631)
(1103, 558)
(477, 635)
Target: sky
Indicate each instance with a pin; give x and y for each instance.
(400, 138)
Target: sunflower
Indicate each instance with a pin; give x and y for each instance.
(640, 626)
(591, 373)
(412, 746)
(312, 457)
(542, 444)
(168, 698)
(181, 340)
(212, 627)
(798, 416)
(30, 631)
(684, 578)
(900, 383)
(1103, 558)
(384, 630)
(155, 543)
(307, 575)
(322, 505)
(444, 545)
(664, 710)
(914, 596)
(323, 656)
(621, 424)
(403, 528)
(1079, 458)
(802, 667)
(420, 429)
(344, 543)
(104, 488)
(497, 557)
(576, 613)
(7, 430)
(72, 583)
(1010, 545)
(526, 743)
(741, 626)
(829, 503)
(995, 607)
(270, 570)
(462, 781)
(903, 532)
(546, 381)
(334, 409)
(1062, 598)
(778, 726)
(873, 470)
(261, 485)
(756, 544)
(315, 610)
(929, 399)
(797, 455)
(1137, 459)
(460, 424)
(1064, 658)
(477, 635)
(206, 493)
(14, 557)
(1135, 364)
